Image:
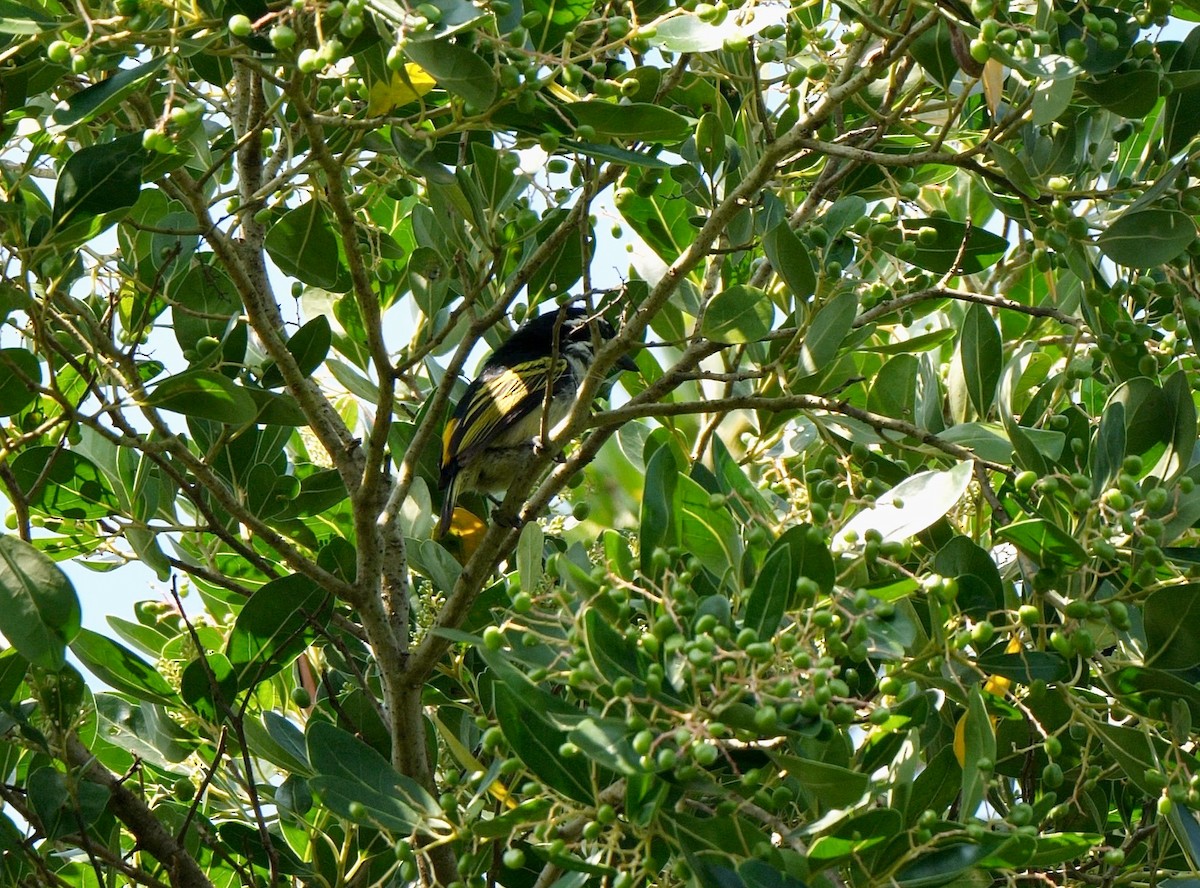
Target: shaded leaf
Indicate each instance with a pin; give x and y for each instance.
(39, 611)
(771, 593)
(979, 249)
(739, 314)
(107, 94)
(64, 484)
(825, 334)
(356, 782)
(274, 626)
(309, 346)
(99, 179)
(303, 244)
(122, 669)
(981, 353)
(204, 394)
(790, 259)
(1170, 619)
(20, 373)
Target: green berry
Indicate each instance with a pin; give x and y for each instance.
(59, 52)
(282, 37)
(240, 25)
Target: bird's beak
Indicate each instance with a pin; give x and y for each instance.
(626, 362)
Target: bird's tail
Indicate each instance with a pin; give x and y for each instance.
(447, 512)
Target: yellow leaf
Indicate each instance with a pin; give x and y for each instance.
(993, 84)
(404, 87)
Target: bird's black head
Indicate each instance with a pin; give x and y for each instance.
(535, 338)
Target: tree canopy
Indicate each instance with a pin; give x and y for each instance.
(880, 570)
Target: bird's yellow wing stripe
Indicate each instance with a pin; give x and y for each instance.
(496, 403)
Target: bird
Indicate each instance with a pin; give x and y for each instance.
(494, 434)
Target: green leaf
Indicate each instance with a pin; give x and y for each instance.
(977, 573)
(280, 741)
(1169, 616)
(825, 334)
(504, 825)
(934, 52)
(923, 498)
(894, 388)
(535, 740)
(1046, 543)
(64, 484)
(276, 408)
(107, 94)
(739, 314)
(99, 179)
(39, 611)
(661, 220)
(1108, 449)
(1180, 418)
(855, 835)
(1132, 94)
(980, 744)
(1147, 238)
(1140, 688)
(790, 260)
(274, 627)
(613, 655)
(559, 17)
(606, 742)
(20, 373)
(304, 246)
(310, 346)
(23, 19)
(351, 776)
(1136, 751)
(979, 249)
(64, 808)
(1055, 849)
(771, 593)
(209, 686)
(836, 787)
(205, 302)
(561, 270)
(924, 342)
(530, 550)
(457, 70)
(660, 506)
(1181, 114)
(942, 865)
(122, 669)
(810, 556)
(637, 121)
(1024, 666)
(981, 353)
(205, 394)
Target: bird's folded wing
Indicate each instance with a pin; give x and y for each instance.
(496, 403)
